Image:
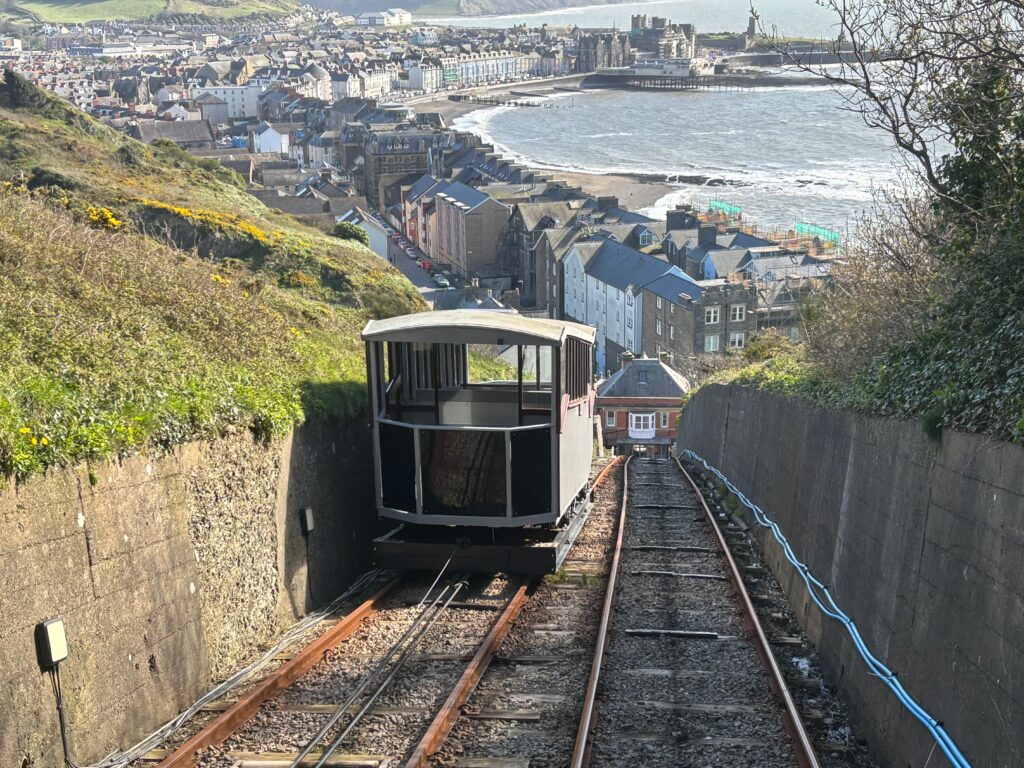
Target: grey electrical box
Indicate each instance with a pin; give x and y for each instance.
(51, 643)
(306, 519)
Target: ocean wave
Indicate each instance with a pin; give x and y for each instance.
(829, 175)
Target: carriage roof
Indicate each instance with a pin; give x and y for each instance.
(463, 326)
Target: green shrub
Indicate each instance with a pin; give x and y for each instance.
(347, 231)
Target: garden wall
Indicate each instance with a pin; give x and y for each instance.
(922, 543)
(167, 570)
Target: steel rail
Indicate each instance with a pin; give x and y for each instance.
(399, 664)
(223, 726)
(803, 746)
(401, 648)
(581, 749)
(450, 711)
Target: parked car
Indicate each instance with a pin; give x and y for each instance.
(441, 281)
(411, 254)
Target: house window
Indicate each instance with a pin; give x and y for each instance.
(641, 420)
(646, 238)
(657, 326)
(711, 315)
(671, 333)
(629, 299)
(737, 313)
(642, 377)
(711, 343)
(629, 321)
(658, 302)
(664, 419)
(609, 418)
(736, 340)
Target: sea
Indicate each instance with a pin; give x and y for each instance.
(794, 18)
(783, 154)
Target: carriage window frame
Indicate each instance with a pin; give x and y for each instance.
(578, 368)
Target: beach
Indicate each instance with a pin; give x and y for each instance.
(634, 191)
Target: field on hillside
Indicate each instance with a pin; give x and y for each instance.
(146, 299)
(78, 11)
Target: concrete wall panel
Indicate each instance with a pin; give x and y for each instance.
(922, 542)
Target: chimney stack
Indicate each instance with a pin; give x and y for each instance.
(626, 358)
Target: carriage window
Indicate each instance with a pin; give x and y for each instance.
(536, 366)
(490, 364)
(578, 368)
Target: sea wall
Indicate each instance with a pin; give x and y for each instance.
(167, 570)
(922, 543)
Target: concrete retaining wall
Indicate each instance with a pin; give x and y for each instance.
(922, 543)
(167, 570)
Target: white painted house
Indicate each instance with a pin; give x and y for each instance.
(242, 100)
(604, 283)
(266, 138)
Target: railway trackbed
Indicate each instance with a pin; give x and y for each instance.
(645, 649)
(683, 673)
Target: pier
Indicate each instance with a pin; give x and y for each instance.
(664, 82)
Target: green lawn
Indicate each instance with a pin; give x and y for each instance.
(72, 11)
(438, 8)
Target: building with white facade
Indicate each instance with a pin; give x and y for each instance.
(265, 138)
(426, 76)
(242, 101)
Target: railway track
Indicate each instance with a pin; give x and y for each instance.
(680, 675)
(382, 687)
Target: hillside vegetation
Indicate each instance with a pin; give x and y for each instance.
(926, 317)
(146, 299)
(79, 11)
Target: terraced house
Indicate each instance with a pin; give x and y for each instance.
(641, 304)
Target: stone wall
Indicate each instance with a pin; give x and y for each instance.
(167, 570)
(922, 543)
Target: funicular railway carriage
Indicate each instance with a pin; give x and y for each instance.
(493, 467)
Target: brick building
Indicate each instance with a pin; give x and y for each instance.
(639, 405)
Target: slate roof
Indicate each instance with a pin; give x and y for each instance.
(421, 187)
(467, 196)
(658, 380)
(179, 131)
(743, 240)
(621, 266)
(674, 283)
(727, 262)
(534, 213)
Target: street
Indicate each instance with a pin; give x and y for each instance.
(418, 277)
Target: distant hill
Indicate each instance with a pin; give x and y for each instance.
(458, 7)
(146, 299)
(78, 11)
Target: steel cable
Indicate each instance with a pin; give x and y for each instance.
(827, 604)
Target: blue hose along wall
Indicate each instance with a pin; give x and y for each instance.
(921, 543)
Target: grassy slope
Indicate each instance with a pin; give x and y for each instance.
(145, 298)
(78, 11)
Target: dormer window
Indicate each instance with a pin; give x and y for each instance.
(646, 238)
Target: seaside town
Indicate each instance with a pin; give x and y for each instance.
(380, 388)
(336, 118)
